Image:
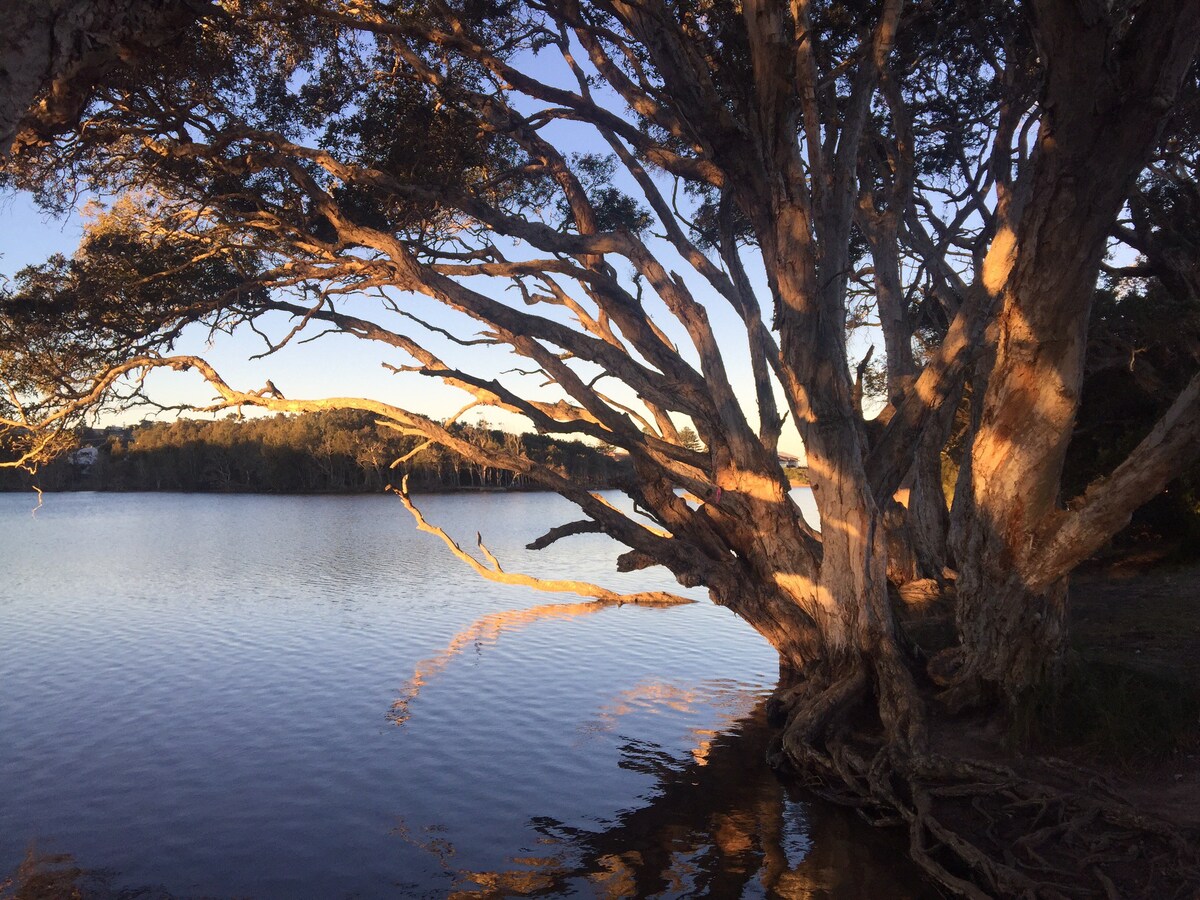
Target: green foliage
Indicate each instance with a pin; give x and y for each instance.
(126, 292)
(613, 209)
(797, 476)
(688, 438)
(950, 96)
(706, 223)
(441, 147)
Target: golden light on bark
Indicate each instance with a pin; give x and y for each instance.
(999, 260)
(494, 572)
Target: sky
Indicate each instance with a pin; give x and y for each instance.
(334, 365)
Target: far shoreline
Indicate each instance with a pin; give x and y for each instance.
(251, 492)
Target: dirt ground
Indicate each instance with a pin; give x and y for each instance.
(1148, 623)
(1122, 731)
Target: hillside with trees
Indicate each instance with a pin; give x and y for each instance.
(340, 451)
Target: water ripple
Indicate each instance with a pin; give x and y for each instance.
(196, 693)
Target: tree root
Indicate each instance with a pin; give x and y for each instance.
(1036, 829)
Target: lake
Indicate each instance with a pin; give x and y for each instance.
(282, 697)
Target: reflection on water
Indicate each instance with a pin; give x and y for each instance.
(717, 826)
(195, 696)
(58, 876)
(482, 633)
(725, 702)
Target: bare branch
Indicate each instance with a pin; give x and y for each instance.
(585, 526)
(495, 573)
(1073, 535)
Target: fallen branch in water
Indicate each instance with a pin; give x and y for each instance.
(494, 572)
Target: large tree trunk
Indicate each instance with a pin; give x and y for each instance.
(852, 576)
(1105, 95)
(804, 237)
(1012, 637)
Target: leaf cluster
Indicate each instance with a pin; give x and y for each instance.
(127, 291)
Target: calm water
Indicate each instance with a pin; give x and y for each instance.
(279, 697)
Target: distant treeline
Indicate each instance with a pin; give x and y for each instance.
(342, 451)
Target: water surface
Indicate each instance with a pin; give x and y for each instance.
(278, 697)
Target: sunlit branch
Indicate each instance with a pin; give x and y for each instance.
(1071, 536)
(45, 444)
(496, 574)
(675, 554)
(411, 454)
(275, 346)
(599, 326)
(617, 303)
(681, 387)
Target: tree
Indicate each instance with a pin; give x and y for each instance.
(957, 167)
(55, 51)
(689, 439)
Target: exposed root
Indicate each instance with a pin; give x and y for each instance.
(1037, 829)
(816, 709)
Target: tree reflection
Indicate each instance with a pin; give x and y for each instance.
(58, 876)
(483, 632)
(720, 824)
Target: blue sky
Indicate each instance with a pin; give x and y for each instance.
(340, 365)
(335, 365)
(31, 235)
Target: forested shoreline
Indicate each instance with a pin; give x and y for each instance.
(338, 452)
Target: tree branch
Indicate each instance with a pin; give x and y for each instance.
(1073, 535)
(496, 574)
(585, 526)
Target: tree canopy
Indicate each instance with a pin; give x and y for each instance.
(632, 198)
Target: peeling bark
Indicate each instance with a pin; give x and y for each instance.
(54, 52)
(1107, 91)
